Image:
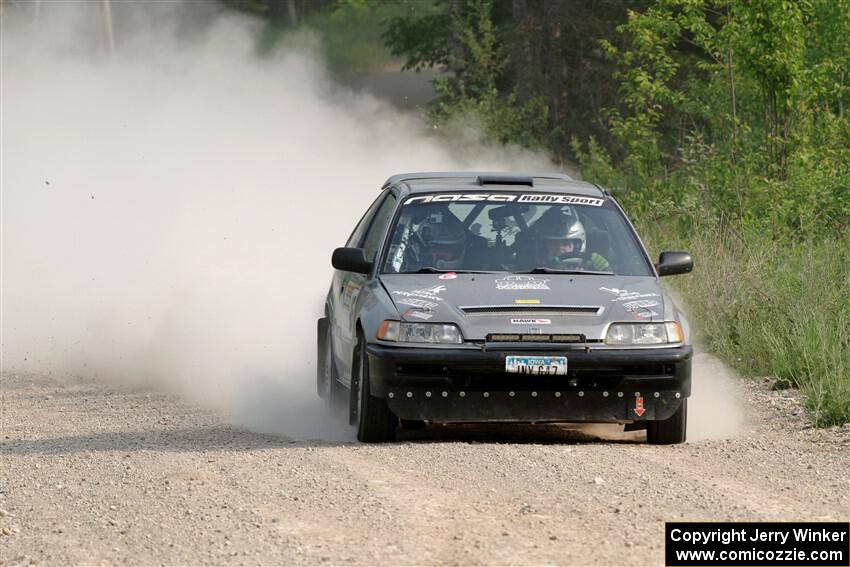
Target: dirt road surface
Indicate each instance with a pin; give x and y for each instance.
(98, 474)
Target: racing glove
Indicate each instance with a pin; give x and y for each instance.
(598, 262)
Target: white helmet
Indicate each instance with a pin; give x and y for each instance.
(560, 236)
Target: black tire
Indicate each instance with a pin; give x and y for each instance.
(671, 430)
(327, 382)
(375, 422)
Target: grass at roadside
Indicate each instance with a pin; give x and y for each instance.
(771, 309)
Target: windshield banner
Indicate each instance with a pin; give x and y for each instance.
(542, 198)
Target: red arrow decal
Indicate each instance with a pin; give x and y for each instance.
(639, 407)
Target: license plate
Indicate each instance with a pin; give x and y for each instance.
(536, 365)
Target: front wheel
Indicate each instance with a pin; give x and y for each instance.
(671, 430)
(375, 422)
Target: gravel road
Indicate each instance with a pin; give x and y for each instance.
(98, 474)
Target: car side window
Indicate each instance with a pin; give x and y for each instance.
(376, 229)
(360, 230)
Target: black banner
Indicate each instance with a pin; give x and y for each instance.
(761, 544)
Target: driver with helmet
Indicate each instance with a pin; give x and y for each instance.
(444, 241)
(561, 242)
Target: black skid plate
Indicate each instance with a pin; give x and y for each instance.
(527, 405)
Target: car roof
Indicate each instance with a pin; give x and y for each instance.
(429, 182)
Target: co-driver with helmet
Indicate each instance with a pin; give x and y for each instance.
(444, 241)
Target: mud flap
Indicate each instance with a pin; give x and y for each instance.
(321, 339)
(354, 389)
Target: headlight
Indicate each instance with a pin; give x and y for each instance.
(431, 333)
(644, 333)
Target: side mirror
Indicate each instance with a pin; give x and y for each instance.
(672, 263)
(351, 260)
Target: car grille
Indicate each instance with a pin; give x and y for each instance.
(535, 338)
(532, 309)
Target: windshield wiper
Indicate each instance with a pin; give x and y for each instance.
(433, 270)
(543, 270)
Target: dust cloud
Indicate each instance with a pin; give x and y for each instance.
(169, 208)
(715, 410)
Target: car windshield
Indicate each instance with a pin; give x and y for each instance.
(512, 232)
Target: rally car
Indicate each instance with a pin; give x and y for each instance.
(476, 297)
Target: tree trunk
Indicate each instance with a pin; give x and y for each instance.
(520, 54)
(291, 13)
(731, 70)
(786, 137)
(108, 36)
(553, 63)
(457, 54)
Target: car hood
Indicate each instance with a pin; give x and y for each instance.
(481, 304)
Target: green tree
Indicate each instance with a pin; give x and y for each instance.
(771, 37)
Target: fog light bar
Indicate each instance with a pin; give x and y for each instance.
(535, 338)
(503, 338)
(568, 338)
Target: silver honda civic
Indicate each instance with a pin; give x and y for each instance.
(493, 297)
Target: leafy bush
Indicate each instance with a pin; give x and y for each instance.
(770, 308)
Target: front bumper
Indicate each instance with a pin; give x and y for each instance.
(602, 385)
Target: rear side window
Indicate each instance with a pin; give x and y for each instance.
(360, 230)
(376, 228)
